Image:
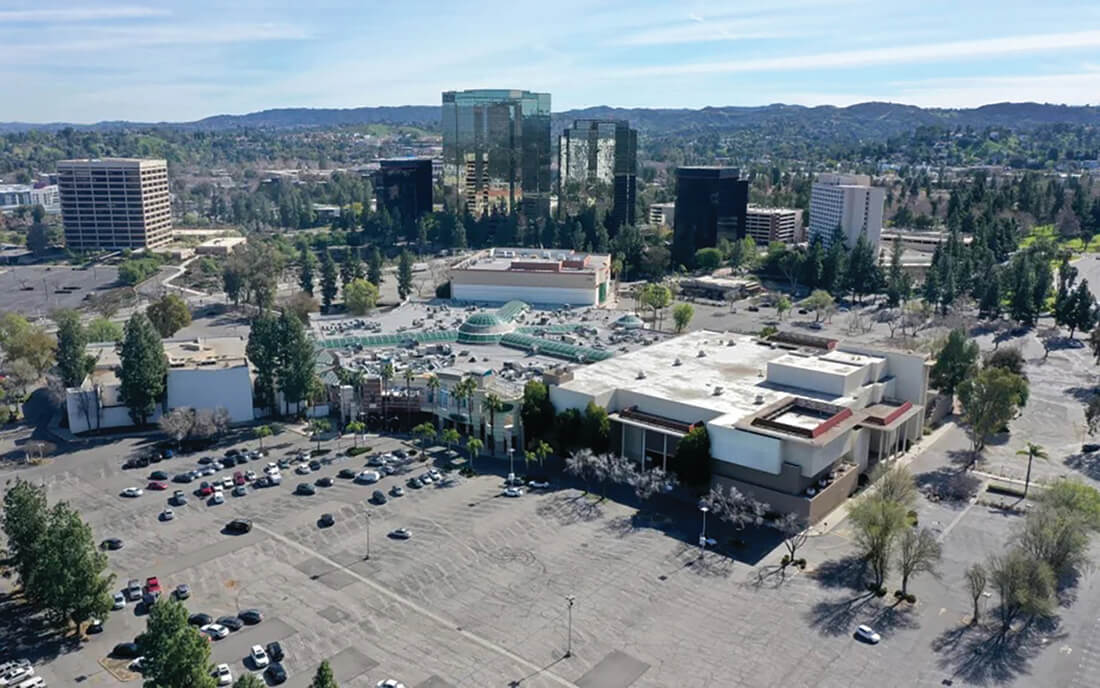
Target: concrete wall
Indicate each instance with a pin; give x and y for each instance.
(811, 509)
(757, 452)
(77, 400)
(815, 380)
(813, 459)
(494, 293)
(910, 371)
(210, 388)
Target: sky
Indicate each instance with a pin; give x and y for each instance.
(187, 59)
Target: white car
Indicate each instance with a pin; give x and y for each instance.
(120, 601)
(16, 675)
(368, 477)
(133, 492)
(271, 467)
(302, 469)
(215, 631)
(390, 683)
(137, 665)
(436, 475)
(227, 482)
(538, 484)
(218, 498)
(259, 657)
(167, 515)
(513, 492)
(377, 461)
(223, 674)
(250, 476)
(867, 634)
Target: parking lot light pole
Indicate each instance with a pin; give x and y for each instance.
(703, 535)
(511, 464)
(569, 638)
(368, 537)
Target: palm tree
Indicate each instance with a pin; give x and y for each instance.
(1031, 451)
(473, 447)
(464, 391)
(493, 405)
(433, 386)
(450, 437)
(355, 428)
(386, 374)
(542, 450)
(261, 432)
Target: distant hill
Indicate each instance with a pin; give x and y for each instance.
(867, 121)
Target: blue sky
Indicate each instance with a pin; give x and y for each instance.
(96, 60)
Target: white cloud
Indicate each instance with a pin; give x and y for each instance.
(76, 14)
(901, 54)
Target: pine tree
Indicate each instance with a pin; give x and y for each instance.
(1084, 309)
(863, 275)
(990, 305)
(143, 368)
(895, 279)
(352, 267)
(72, 361)
(176, 654)
(328, 279)
(324, 678)
(296, 359)
(374, 267)
(305, 271)
(404, 276)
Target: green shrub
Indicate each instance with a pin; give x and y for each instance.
(785, 560)
(911, 598)
(320, 452)
(356, 451)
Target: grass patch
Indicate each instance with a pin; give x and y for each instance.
(356, 451)
(999, 487)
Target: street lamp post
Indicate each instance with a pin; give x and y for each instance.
(703, 535)
(511, 465)
(569, 638)
(368, 538)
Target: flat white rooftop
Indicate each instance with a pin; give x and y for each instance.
(502, 259)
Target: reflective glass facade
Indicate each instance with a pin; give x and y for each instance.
(711, 203)
(598, 162)
(496, 150)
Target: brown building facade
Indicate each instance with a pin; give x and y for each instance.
(115, 203)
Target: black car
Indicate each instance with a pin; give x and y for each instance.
(182, 478)
(231, 622)
(251, 616)
(324, 482)
(401, 454)
(199, 619)
(158, 475)
(125, 650)
(346, 473)
(136, 462)
(111, 544)
(305, 489)
(275, 672)
(415, 483)
(275, 651)
(239, 525)
(315, 465)
(241, 459)
(232, 452)
(326, 520)
(206, 460)
(378, 497)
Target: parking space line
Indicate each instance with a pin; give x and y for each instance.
(427, 613)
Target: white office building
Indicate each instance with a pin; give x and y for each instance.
(793, 426)
(545, 277)
(766, 225)
(202, 374)
(848, 202)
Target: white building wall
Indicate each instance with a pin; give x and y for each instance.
(748, 449)
(807, 378)
(539, 295)
(96, 419)
(563, 399)
(812, 460)
(211, 388)
(909, 372)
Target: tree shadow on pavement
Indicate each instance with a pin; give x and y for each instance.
(25, 633)
(838, 616)
(953, 487)
(1089, 464)
(569, 509)
(846, 572)
(985, 656)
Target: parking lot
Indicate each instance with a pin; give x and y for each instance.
(34, 291)
(478, 595)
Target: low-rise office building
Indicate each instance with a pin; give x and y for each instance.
(202, 374)
(220, 246)
(545, 277)
(792, 426)
(766, 225)
(663, 214)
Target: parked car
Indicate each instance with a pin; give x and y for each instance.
(305, 489)
(346, 473)
(179, 498)
(378, 497)
(238, 478)
(275, 651)
(376, 460)
(133, 492)
(152, 585)
(251, 616)
(239, 525)
(183, 477)
(427, 479)
(324, 482)
(230, 622)
(368, 477)
(315, 465)
(182, 591)
(867, 634)
(158, 475)
(111, 544)
(303, 469)
(231, 452)
(414, 483)
(119, 601)
(133, 589)
(276, 673)
(258, 657)
(200, 619)
(125, 650)
(401, 534)
(513, 492)
(390, 683)
(326, 521)
(397, 491)
(240, 491)
(167, 515)
(539, 484)
(223, 674)
(217, 498)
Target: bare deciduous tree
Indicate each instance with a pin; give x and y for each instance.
(177, 423)
(221, 419)
(918, 552)
(735, 507)
(649, 483)
(794, 531)
(975, 585)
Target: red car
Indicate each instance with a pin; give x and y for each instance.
(156, 485)
(152, 585)
(238, 478)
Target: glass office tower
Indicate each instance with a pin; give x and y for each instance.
(711, 204)
(496, 150)
(597, 164)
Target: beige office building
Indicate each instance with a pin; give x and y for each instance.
(115, 203)
(766, 225)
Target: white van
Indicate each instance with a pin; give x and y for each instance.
(33, 682)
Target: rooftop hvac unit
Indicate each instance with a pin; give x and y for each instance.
(677, 362)
(718, 391)
(641, 374)
(759, 399)
(701, 354)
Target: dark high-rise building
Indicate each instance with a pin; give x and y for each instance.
(598, 160)
(711, 204)
(496, 150)
(405, 185)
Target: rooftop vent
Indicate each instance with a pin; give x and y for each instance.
(641, 374)
(730, 343)
(701, 354)
(718, 391)
(759, 399)
(677, 362)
